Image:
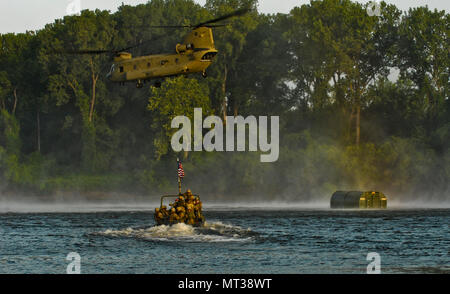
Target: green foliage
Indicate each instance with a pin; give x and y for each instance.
(323, 68)
(9, 130)
(177, 96)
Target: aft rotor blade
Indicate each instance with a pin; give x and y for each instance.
(239, 12)
(209, 23)
(172, 27)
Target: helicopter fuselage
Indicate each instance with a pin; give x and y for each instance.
(162, 65)
(195, 55)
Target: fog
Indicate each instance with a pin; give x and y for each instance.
(37, 206)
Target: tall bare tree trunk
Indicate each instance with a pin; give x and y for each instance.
(94, 86)
(224, 93)
(358, 115)
(38, 122)
(15, 101)
(358, 123)
(91, 108)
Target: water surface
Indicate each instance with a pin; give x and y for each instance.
(233, 241)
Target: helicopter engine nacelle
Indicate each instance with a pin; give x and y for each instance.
(182, 48)
(121, 56)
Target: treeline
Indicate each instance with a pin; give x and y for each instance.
(362, 100)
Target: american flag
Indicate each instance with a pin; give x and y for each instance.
(180, 170)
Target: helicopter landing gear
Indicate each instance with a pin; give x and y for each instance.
(158, 84)
(139, 84)
(204, 74)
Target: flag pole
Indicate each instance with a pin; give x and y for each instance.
(179, 179)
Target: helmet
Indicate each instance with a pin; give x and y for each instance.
(172, 210)
(188, 191)
(156, 210)
(181, 198)
(373, 193)
(163, 207)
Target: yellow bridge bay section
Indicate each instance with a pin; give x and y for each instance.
(358, 199)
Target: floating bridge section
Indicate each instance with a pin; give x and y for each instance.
(358, 199)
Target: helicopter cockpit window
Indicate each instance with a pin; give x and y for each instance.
(209, 56)
(121, 69)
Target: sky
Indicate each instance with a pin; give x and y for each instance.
(21, 15)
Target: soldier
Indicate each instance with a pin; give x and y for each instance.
(158, 216)
(176, 203)
(182, 217)
(181, 211)
(198, 210)
(164, 211)
(189, 195)
(190, 214)
(198, 202)
(173, 218)
(181, 201)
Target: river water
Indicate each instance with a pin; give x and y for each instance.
(233, 241)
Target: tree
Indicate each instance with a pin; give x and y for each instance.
(177, 97)
(424, 58)
(5, 89)
(230, 42)
(79, 76)
(260, 82)
(339, 52)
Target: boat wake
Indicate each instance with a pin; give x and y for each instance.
(210, 232)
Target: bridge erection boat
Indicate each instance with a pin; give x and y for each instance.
(187, 207)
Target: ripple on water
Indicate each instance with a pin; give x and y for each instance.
(210, 232)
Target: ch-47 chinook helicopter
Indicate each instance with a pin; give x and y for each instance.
(194, 55)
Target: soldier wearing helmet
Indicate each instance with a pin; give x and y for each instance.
(164, 211)
(158, 216)
(173, 218)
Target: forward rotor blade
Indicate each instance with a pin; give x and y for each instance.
(141, 43)
(82, 52)
(190, 26)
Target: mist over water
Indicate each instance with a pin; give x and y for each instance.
(36, 206)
